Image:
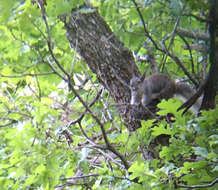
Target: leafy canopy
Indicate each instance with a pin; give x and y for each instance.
(39, 149)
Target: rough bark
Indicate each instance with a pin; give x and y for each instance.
(211, 87)
(106, 56)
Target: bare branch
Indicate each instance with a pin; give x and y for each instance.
(199, 35)
(198, 186)
(27, 74)
(175, 58)
(171, 41)
(178, 61)
(145, 28)
(49, 43)
(8, 124)
(109, 146)
(190, 52)
(111, 158)
(84, 112)
(80, 177)
(196, 46)
(151, 58)
(197, 17)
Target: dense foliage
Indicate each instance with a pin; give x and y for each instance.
(49, 140)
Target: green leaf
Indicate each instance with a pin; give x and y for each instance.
(200, 151)
(169, 106)
(140, 169)
(30, 180)
(40, 169)
(6, 10)
(161, 129)
(176, 7)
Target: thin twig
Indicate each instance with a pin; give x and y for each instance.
(175, 58)
(193, 34)
(198, 186)
(39, 88)
(151, 58)
(190, 51)
(109, 157)
(80, 177)
(171, 41)
(84, 112)
(8, 124)
(74, 58)
(48, 39)
(178, 61)
(107, 142)
(109, 146)
(145, 29)
(197, 17)
(27, 74)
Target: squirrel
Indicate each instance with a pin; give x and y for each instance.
(159, 86)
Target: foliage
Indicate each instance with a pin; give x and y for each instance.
(41, 146)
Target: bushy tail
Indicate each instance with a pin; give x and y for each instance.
(184, 92)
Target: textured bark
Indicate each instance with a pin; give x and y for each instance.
(105, 55)
(211, 87)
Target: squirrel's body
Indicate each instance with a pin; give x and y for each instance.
(158, 85)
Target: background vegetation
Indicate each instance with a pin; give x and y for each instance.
(56, 137)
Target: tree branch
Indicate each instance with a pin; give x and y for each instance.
(145, 28)
(175, 58)
(80, 177)
(190, 51)
(197, 17)
(108, 144)
(193, 34)
(85, 111)
(48, 39)
(105, 55)
(198, 186)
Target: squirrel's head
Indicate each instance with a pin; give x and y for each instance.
(135, 82)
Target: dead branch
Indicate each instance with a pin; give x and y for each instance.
(199, 35)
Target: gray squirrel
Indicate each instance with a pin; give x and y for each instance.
(159, 86)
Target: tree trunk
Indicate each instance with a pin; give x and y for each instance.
(106, 56)
(211, 87)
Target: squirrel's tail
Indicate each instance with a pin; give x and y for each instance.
(184, 92)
